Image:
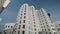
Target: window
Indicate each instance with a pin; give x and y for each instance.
(34, 22)
(46, 22)
(24, 13)
(54, 32)
(50, 32)
(24, 21)
(24, 17)
(19, 26)
(46, 32)
(35, 29)
(34, 25)
(23, 32)
(59, 24)
(11, 26)
(8, 26)
(44, 26)
(49, 29)
(47, 26)
(45, 29)
(43, 23)
(20, 22)
(18, 32)
(20, 17)
(58, 29)
(23, 26)
(21, 14)
(25, 8)
(35, 33)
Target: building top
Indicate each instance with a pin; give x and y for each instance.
(9, 23)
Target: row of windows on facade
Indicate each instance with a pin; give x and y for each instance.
(57, 25)
(50, 33)
(23, 32)
(24, 27)
(9, 26)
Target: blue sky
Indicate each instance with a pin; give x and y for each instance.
(10, 13)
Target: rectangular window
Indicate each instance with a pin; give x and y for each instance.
(24, 17)
(24, 13)
(35, 33)
(23, 26)
(18, 32)
(11, 26)
(35, 29)
(20, 22)
(24, 21)
(59, 24)
(23, 32)
(20, 17)
(34, 25)
(19, 26)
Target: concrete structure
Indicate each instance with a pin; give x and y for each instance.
(45, 22)
(27, 20)
(9, 28)
(3, 4)
(57, 25)
(32, 21)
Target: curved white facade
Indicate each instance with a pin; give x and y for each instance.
(9, 26)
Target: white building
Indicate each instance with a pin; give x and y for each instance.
(3, 4)
(9, 28)
(32, 21)
(45, 22)
(57, 25)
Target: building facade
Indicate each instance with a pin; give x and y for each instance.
(57, 25)
(32, 21)
(45, 22)
(9, 28)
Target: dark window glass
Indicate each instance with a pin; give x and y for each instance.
(46, 22)
(35, 29)
(49, 29)
(23, 26)
(34, 22)
(59, 24)
(45, 29)
(20, 22)
(24, 21)
(50, 32)
(20, 17)
(24, 17)
(35, 33)
(19, 26)
(8, 26)
(23, 32)
(24, 13)
(34, 25)
(18, 32)
(11, 26)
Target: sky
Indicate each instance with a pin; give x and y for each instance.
(10, 13)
